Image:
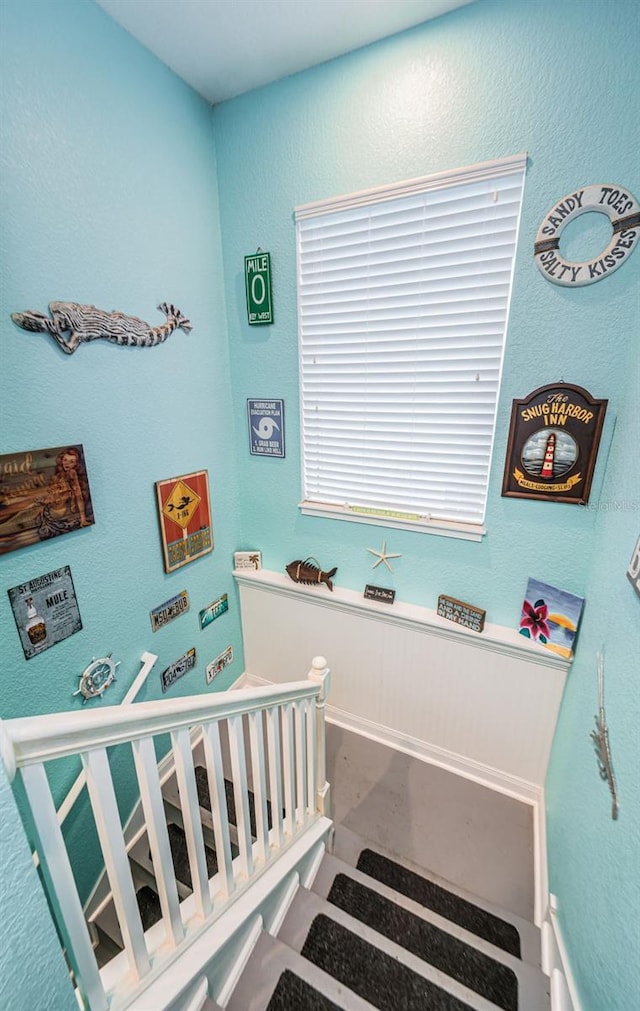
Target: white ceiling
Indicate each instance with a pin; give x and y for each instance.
(223, 48)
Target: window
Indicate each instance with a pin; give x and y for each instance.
(403, 298)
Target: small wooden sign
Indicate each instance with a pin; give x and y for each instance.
(553, 444)
(463, 614)
(379, 593)
(184, 513)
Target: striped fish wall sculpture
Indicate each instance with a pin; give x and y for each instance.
(86, 323)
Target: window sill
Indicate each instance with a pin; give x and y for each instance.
(394, 520)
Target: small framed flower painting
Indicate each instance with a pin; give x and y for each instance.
(551, 617)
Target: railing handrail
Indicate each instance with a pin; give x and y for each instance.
(35, 739)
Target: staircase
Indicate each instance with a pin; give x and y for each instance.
(375, 932)
(103, 920)
(218, 897)
(371, 930)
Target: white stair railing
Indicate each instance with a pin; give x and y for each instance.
(280, 727)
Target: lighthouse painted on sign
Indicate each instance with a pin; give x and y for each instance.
(553, 443)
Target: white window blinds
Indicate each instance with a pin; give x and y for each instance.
(403, 297)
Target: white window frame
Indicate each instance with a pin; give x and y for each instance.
(314, 247)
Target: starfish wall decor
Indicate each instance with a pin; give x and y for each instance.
(383, 556)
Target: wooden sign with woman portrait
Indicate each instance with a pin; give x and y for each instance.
(43, 493)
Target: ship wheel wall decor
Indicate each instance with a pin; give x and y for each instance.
(553, 444)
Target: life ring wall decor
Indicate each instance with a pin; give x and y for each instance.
(623, 211)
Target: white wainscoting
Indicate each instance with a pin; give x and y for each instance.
(483, 704)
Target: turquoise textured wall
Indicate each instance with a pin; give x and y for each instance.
(559, 80)
(28, 941)
(108, 197)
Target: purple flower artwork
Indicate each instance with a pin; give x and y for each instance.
(551, 617)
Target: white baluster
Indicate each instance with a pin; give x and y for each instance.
(258, 774)
(301, 763)
(288, 768)
(144, 757)
(310, 720)
(191, 821)
(275, 773)
(107, 818)
(320, 674)
(61, 886)
(241, 793)
(215, 779)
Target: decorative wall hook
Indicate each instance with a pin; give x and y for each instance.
(600, 738)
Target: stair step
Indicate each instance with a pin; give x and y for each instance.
(532, 984)
(381, 971)
(261, 983)
(106, 948)
(202, 785)
(500, 927)
(497, 982)
(372, 973)
(440, 900)
(293, 994)
(149, 906)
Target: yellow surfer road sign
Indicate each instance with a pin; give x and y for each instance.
(181, 504)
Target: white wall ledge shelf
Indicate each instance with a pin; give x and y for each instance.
(497, 638)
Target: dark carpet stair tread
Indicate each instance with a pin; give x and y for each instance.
(475, 970)
(293, 994)
(478, 921)
(149, 906)
(204, 799)
(373, 974)
(180, 856)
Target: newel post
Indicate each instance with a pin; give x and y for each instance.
(321, 674)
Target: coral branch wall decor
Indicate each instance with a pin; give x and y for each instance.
(600, 738)
(86, 323)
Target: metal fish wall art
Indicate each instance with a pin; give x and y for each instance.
(86, 323)
(308, 572)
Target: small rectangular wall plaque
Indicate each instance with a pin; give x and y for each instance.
(379, 593)
(45, 610)
(214, 610)
(266, 427)
(173, 608)
(247, 560)
(463, 614)
(178, 669)
(257, 277)
(221, 661)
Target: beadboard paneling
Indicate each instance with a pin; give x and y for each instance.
(492, 702)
